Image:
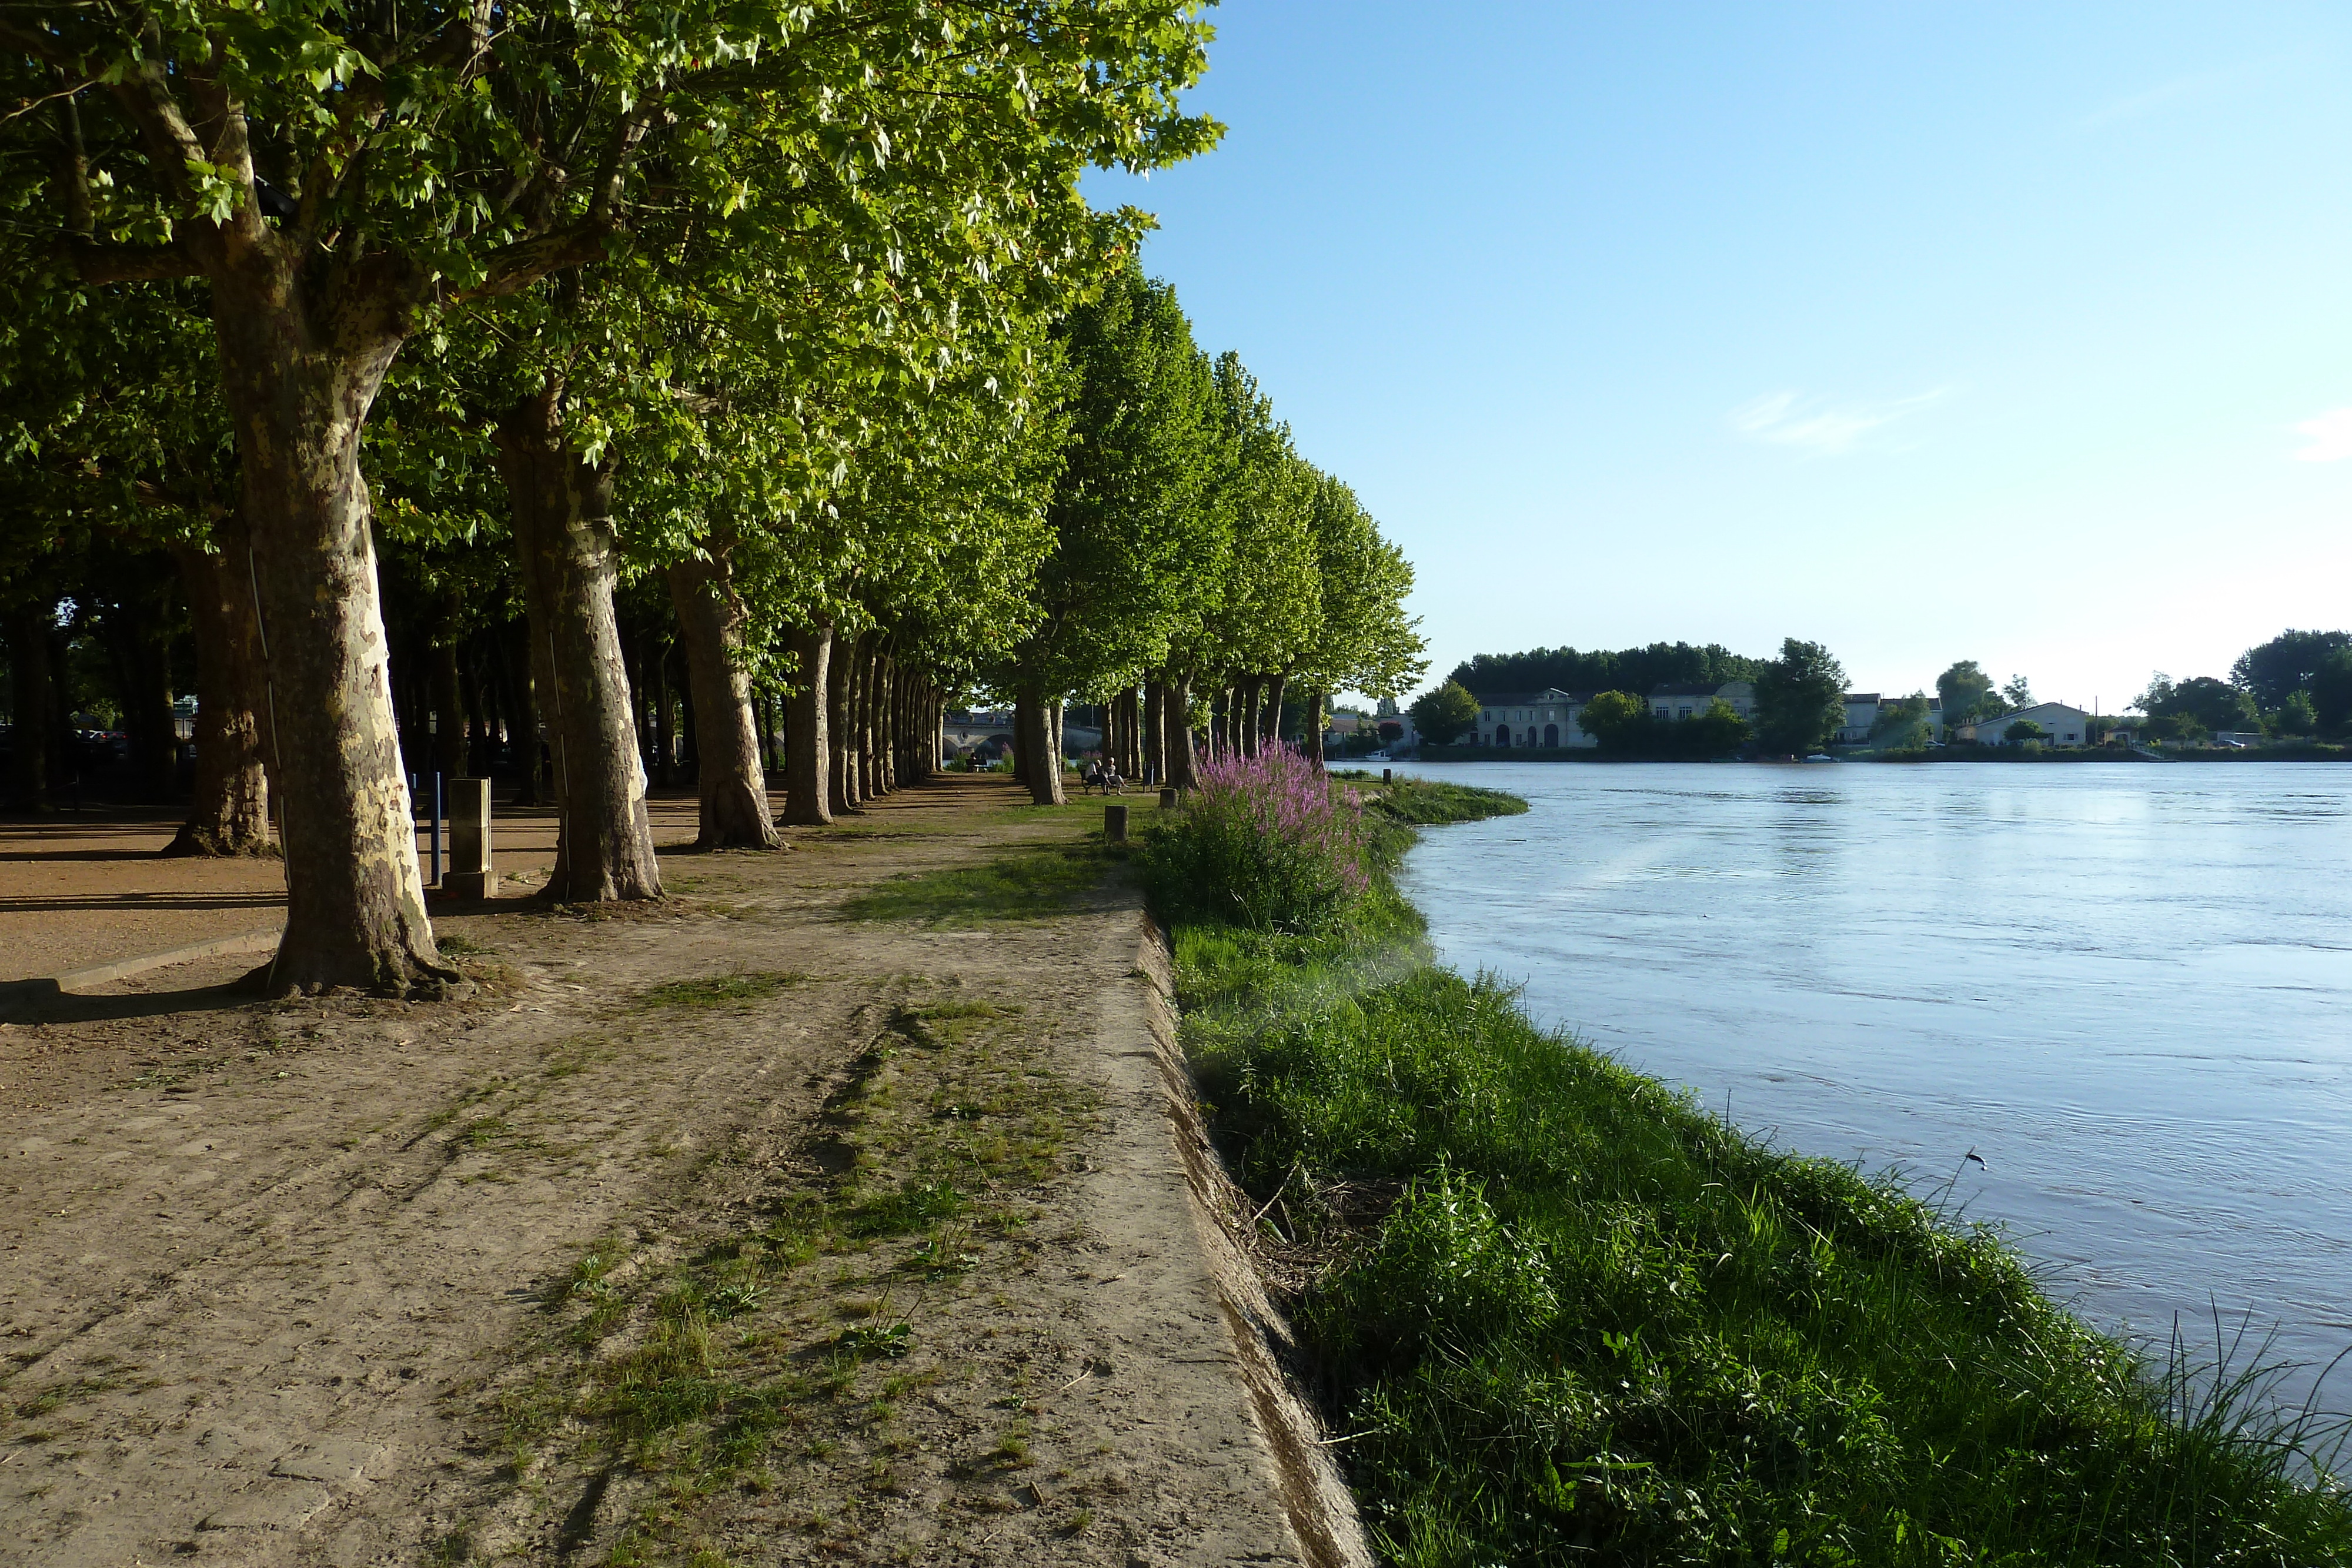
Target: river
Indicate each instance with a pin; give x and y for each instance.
(2127, 988)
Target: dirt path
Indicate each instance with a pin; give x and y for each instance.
(741, 1227)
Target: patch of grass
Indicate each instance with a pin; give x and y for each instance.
(1563, 1314)
(1430, 802)
(913, 1205)
(720, 991)
(1031, 882)
(483, 1131)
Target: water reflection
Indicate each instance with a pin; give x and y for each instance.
(2125, 987)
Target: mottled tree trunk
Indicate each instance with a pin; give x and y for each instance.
(1310, 726)
(837, 707)
(733, 788)
(229, 814)
(886, 714)
(300, 373)
(1040, 742)
(861, 743)
(563, 541)
(1271, 729)
(808, 746)
(1176, 742)
(1155, 727)
(35, 768)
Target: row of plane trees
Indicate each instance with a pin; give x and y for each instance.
(795, 310)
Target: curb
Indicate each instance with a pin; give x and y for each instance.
(99, 974)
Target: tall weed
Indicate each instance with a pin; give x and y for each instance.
(1264, 843)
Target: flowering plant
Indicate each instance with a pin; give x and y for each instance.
(1262, 843)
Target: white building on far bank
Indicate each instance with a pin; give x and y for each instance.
(2061, 726)
(1546, 719)
(1690, 699)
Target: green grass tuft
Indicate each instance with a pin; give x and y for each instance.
(1430, 802)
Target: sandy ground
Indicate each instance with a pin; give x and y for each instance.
(87, 887)
(275, 1280)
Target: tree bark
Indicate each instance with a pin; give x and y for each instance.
(1310, 728)
(885, 714)
(861, 722)
(563, 541)
(299, 369)
(1176, 742)
(1155, 736)
(1041, 745)
(808, 746)
(229, 814)
(1272, 730)
(37, 767)
(838, 701)
(732, 785)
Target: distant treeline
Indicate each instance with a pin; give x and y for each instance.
(1634, 670)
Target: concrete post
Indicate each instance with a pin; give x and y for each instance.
(1115, 823)
(1167, 799)
(469, 874)
(1388, 774)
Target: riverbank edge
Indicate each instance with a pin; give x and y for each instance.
(1316, 1499)
(2214, 1435)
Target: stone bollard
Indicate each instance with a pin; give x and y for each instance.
(1115, 823)
(1167, 800)
(1388, 774)
(469, 874)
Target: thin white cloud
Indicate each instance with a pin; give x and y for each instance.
(2203, 87)
(1793, 419)
(2331, 438)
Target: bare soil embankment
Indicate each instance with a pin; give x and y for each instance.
(829, 1210)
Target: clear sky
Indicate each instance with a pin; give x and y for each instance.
(2019, 333)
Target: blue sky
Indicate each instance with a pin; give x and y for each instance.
(2016, 333)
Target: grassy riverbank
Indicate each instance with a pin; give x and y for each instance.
(1561, 1314)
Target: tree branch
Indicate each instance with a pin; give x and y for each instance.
(127, 263)
(516, 267)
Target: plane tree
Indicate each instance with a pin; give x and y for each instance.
(1126, 564)
(337, 176)
(1362, 640)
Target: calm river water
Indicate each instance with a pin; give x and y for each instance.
(2128, 989)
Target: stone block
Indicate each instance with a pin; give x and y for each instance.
(469, 874)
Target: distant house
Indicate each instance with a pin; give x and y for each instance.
(1862, 710)
(1389, 714)
(1546, 719)
(1688, 700)
(2061, 726)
